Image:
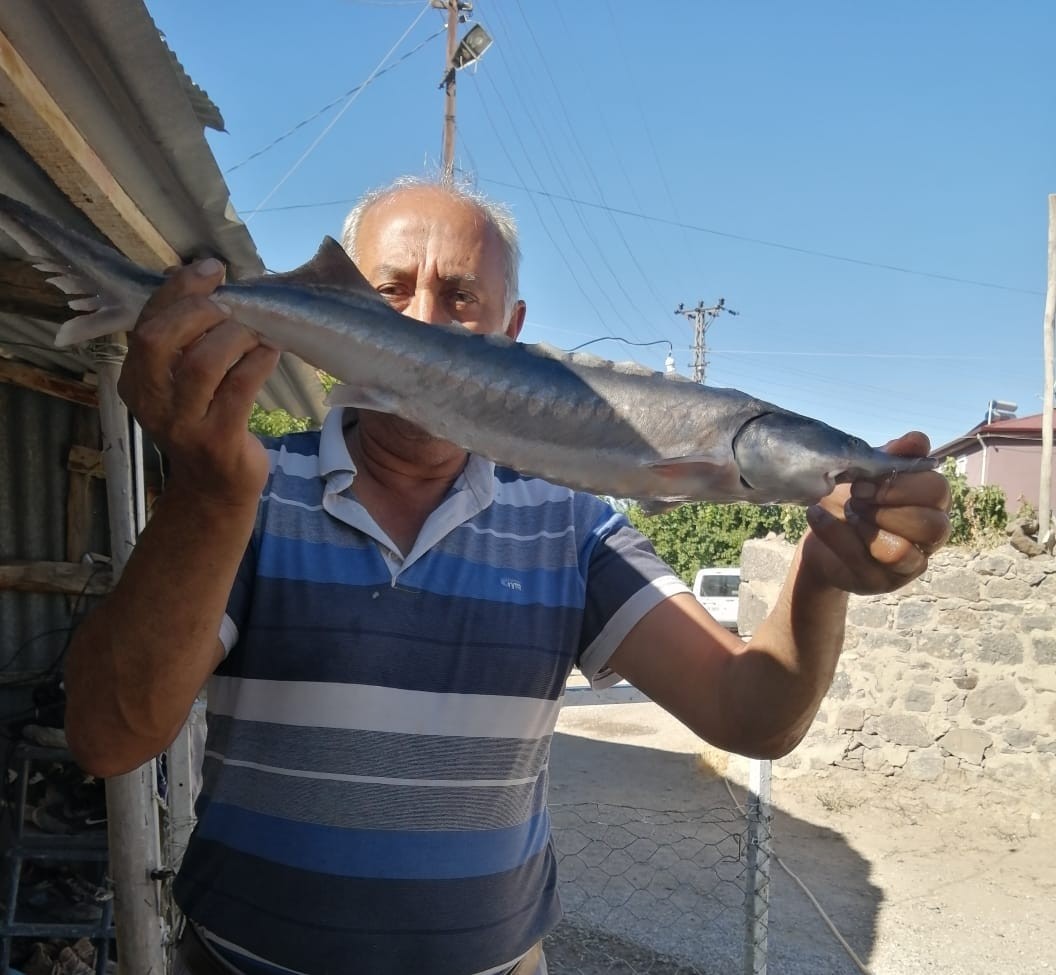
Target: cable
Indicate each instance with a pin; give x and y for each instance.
(337, 118)
(326, 108)
(778, 245)
(806, 890)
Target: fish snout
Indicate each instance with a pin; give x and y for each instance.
(792, 459)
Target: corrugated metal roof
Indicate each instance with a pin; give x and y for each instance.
(108, 68)
(1017, 427)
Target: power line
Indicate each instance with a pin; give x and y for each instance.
(952, 279)
(326, 108)
(337, 118)
(775, 244)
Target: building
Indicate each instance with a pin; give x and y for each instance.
(1006, 453)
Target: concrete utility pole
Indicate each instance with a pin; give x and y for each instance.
(702, 317)
(1045, 533)
(449, 91)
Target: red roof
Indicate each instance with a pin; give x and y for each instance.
(1018, 427)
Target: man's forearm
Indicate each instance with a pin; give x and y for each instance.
(137, 663)
(780, 679)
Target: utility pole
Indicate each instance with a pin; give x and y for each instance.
(702, 317)
(1045, 534)
(449, 91)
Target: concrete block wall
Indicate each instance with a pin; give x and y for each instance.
(951, 678)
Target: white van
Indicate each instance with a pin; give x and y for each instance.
(716, 590)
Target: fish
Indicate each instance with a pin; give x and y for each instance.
(615, 429)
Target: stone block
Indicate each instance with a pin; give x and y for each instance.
(1004, 647)
(956, 582)
(752, 609)
(1020, 738)
(850, 717)
(841, 686)
(960, 617)
(944, 644)
(993, 565)
(1046, 623)
(1007, 589)
(919, 699)
(914, 614)
(885, 640)
(993, 700)
(1044, 647)
(869, 613)
(954, 706)
(1006, 609)
(823, 752)
(966, 682)
(903, 729)
(766, 559)
(926, 765)
(967, 744)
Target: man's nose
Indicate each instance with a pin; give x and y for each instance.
(427, 307)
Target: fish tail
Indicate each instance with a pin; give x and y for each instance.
(104, 286)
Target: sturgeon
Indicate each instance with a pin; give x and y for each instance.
(617, 429)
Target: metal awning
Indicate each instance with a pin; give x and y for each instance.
(101, 128)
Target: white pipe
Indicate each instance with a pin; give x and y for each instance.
(982, 473)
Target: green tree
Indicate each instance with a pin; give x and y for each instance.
(274, 423)
(695, 535)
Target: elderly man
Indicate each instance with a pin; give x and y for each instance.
(380, 705)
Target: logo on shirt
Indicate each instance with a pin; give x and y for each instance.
(509, 583)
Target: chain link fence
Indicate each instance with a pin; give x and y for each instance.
(655, 892)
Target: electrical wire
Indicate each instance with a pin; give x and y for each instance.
(590, 171)
(528, 111)
(762, 242)
(326, 108)
(337, 118)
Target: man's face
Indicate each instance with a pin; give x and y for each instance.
(434, 258)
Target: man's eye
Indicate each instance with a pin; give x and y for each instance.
(463, 297)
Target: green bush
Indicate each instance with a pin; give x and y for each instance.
(977, 515)
(713, 534)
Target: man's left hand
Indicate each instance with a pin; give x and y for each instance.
(876, 536)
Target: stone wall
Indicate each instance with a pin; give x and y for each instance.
(950, 678)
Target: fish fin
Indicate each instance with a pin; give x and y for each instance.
(98, 279)
(676, 466)
(361, 397)
(330, 267)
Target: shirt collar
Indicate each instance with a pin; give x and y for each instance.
(478, 476)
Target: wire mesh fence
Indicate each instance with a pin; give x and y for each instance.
(655, 892)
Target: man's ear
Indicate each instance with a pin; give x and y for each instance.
(516, 322)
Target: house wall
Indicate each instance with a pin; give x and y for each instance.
(1013, 465)
(951, 679)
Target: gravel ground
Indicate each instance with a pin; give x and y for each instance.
(916, 879)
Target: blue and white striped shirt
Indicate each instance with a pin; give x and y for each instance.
(375, 780)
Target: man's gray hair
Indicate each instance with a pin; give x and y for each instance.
(496, 214)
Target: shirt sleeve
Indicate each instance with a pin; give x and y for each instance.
(625, 580)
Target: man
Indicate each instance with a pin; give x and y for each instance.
(397, 620)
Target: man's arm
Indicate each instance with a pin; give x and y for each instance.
(760, 698)
(138, 661)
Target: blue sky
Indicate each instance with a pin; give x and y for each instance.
(864, 184)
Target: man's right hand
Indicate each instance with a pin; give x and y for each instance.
(190, 378)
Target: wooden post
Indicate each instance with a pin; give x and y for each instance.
(132, 811)
(1045, 532)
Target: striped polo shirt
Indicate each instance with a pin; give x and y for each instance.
(375, 778)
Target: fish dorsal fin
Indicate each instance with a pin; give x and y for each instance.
(330, 267)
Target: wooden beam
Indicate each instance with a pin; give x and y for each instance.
(25, 291)
(48, 383)
(43, 129)
(74, 578)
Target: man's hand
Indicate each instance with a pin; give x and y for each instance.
(876, 536)
(190, 379)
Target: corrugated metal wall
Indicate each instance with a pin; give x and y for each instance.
(36, 432)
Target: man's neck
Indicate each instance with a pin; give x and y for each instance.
(402, 475)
